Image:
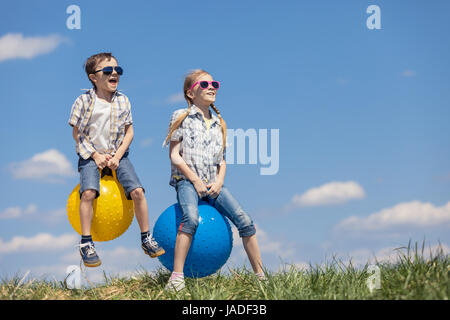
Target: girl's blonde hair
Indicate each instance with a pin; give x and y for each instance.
(188, 82)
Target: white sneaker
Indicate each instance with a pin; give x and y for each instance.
(176, 284)
(261, 276)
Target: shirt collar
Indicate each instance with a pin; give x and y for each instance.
(195, 111)
(93, 95)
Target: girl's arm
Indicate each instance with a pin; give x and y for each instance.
(178, 161)
(216, 186)
(221, 171)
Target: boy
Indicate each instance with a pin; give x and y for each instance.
(103, 131)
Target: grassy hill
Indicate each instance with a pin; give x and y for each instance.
(411, 276)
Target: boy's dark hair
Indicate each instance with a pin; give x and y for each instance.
(93, 61)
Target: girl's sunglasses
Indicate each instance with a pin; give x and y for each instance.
(109, 70)
(205, 84)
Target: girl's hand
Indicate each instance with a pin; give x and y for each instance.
(113, 162)
(200, 187)
(214, 188)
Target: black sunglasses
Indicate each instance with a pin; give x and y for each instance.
(109, 70)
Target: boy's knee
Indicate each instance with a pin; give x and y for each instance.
(137, 194)
(89, 195)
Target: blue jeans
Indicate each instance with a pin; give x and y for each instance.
(225, 203)
(90, 177)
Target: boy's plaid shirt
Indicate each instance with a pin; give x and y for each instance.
(200, 149)
(82, 111)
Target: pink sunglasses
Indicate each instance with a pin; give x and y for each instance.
(205, 84)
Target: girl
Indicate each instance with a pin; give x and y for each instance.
(197, 143)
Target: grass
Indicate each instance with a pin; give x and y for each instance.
(411, 276)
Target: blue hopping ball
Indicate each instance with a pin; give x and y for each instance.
(211, 244)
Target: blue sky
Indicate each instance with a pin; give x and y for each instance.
(362, 117)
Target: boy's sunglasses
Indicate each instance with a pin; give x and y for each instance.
(205, 84)
(109, 70)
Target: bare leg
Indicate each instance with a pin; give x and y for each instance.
(140, 208)
(182, 245)
(252, 249)
(86, 211)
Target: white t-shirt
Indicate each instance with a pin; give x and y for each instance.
(99, 126)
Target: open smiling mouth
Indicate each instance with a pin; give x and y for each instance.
(112, 81)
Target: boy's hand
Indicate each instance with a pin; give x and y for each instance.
(101, 160)
(214, 188)
(113, 163)
(200, 187)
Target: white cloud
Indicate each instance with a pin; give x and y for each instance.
(116, 262)
(408, 73)
(15, 45)
(414, 213)
(329, 194)
(361, 257)
(121, 254)
(146, 142)
(47, 165)
(442, 177)
(266, 244)
(40, 242)
(342, 81)
(176, 98)
(17, 212)
(302, 266)
(55, 216)
(270, 246)
(33, 214)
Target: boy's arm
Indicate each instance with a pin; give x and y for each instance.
(100, 161)
(75, 134)
(113, 163)
(74, 121)
(129, 134)
(75, 112)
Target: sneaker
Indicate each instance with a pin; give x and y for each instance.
(175, 284)
(261, 276)
(151, 247)
(88, 254)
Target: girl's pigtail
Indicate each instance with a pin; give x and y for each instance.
(223, 125)
(176, 124)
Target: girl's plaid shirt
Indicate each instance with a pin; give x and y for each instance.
(200, 149)
(81, 113)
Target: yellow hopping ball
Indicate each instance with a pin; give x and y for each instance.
(113, 212)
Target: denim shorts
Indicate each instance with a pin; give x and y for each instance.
(225, 203)
(90, 177)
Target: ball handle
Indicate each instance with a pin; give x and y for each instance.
(106, 171)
